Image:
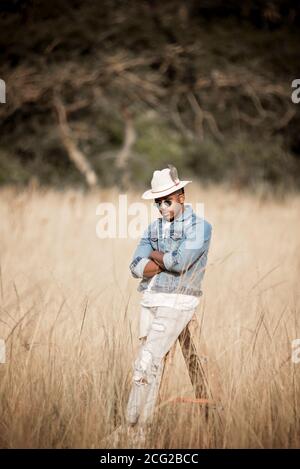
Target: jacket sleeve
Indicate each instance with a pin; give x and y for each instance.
(140, 256)
(194, 244)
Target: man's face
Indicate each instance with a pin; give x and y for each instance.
(171, 205)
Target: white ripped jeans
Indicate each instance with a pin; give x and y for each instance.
(160, 327)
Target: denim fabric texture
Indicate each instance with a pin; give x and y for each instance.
(158, 335)
(185, 248)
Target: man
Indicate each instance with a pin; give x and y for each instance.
(170, 259)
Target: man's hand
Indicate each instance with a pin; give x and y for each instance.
(151, 269)
(155, 264)
(157, 257)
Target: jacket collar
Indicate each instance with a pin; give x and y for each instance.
(181, 222)
(186, 214)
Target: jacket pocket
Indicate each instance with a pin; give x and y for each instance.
(174, 240)
(154, 242)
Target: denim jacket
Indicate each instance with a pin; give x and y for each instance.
(185, 254)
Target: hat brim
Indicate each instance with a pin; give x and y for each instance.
(155, 195)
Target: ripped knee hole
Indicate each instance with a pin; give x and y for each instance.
(158, 326)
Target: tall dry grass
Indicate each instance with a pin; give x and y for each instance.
(69, 314)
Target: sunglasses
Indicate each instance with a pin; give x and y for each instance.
(167, 202)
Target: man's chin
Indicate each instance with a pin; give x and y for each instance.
(167, 216)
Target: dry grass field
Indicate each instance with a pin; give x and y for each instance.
(69, 314)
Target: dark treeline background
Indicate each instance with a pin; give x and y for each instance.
(104, 92)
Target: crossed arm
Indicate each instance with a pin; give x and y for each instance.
(155, 264)
(148, 262)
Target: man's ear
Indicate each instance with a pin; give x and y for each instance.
(181, 198)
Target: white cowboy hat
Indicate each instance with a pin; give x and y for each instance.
(164, 182)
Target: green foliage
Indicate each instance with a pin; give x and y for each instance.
(207, 88)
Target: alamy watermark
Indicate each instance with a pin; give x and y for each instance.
(2, 91)
(296, 93)
(123, 220)
(296, 351)
(2, 351)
